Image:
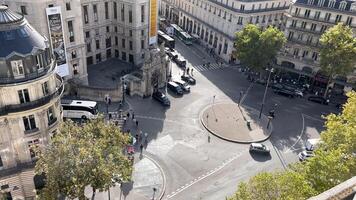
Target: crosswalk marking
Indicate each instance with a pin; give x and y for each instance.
(212, 66)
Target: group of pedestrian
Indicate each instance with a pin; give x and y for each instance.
(133, 118)
(189, 70)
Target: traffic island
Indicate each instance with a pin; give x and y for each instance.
(235, 123)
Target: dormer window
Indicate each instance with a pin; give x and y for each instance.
(321, 3)
(17, 68)
(353, 7)
(311, 2)
(331, 4)
(342, 5)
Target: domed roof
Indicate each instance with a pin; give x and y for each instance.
(17, 36)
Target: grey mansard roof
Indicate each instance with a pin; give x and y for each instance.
(326, 4)
(17, 36)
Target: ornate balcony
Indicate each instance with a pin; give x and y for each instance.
(36, 103)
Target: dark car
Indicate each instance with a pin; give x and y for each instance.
(162, 98)
(174, 87)
(184, 85)
(319, 99)
(180, 62)
(188, 79)
(259, 148)
(285, 92)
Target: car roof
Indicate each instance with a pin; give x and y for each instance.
(257, 145)
(173, 83)
(180, 81)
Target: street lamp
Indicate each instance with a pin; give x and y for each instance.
(123, 89)
(264, 95)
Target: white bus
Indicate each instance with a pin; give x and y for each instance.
(79, 109)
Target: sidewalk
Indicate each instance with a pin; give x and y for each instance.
(147, 175)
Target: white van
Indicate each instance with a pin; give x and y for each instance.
(311, 144)
(79, 109)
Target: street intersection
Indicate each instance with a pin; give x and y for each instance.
(198, 165)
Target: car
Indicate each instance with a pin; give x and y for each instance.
(284, 92)
(174, 87)
(172, 54)
(318, 99)
(259, 148)
(184, 85)
(188, 79)
(276, 86)
(162, 98)
(304, 155)
(180, 62)
(261, 81)
(297, 91)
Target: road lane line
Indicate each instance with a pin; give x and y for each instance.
(299, 137)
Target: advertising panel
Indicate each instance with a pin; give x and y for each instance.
(153, 22)
(55, 27)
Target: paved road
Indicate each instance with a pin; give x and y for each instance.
(200, 169)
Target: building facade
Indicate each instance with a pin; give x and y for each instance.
(217, 21)
(94, 30)
(30, 111)
(306, 21)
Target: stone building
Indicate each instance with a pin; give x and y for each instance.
(306, 21)
(30, 92)
(217, 21)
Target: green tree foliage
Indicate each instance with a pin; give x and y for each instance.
(256, 48)
(334, 162)
(80, 156)
(338, 51)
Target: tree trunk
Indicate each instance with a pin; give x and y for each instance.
(94, 192)
(330, 80)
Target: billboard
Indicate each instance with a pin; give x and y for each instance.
(153, 22)
(55, 29)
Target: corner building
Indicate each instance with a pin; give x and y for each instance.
(30, 111)
(306, 21)
(217, 21)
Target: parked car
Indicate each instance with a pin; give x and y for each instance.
(318, 99)
(162, 98)
(188, 79)
(172, 54)
(261, 81)
(284, 92)
(259, 148)
(174, 87)
(184, 85)
(180, 62)
(304, 155)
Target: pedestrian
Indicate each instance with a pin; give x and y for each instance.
(133, 115)
(136, 123)
(136, 136)
(128, 115)
(191, 71)
(141, 147)
(146, 135)
(188, 70)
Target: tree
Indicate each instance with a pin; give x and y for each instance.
(256, 48)
(274, 186)
(338, 52)
(81, 156)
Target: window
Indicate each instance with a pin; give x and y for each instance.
(1, 163)
(88, 47)
(106, 10)
(85, 13)
(130, 14)
(331, 3)
(108, 53)
(348, 21)
(123, 43)
(108, 42)
(142, 13)
(97, 44)
(294, 23)
(321, 3)
(87, 34)
(311, 2)
(45, 90)
(39, 62)
(17, 68)
(115, 29)
(24, 96)
(225, 48)
(107, 29)
(75, 69)
(290, 35)
(29, 122)
(122, 12)
(123, 56)
(68, 6)
(116, 41)
(296, 52)
(315, 56)
(242, 7)
(305, 53)
(98, 57)
(96, 31)
(95, 11)
(71, 31)
(297, 11)
(317, 15)
(338, 18)
(130, 45)
(130, 33)
(131, 58)
(50, 116)
(303, 25)
(31, 145)
(239, 21)
(115, 10)
(142, 44)
(23, 10)
(327, 16)
(313, 27)
(323, 28)
(342, 5)
(307, 13)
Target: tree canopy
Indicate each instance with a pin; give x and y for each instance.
(338, 51)
(256, 48)
(83, 155)
(334, 162)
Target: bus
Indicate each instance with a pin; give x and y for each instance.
(182, 35)
(79, 109)
(168, 41)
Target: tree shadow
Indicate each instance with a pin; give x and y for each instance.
(259, 157)
(126, 187)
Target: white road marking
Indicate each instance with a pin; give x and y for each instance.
(299, 137)
(246, 92)
(211, 172)
(313, 118)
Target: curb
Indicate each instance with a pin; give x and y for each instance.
(163, 175)
(230, 140)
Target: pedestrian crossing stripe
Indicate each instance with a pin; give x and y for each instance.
(212, 66)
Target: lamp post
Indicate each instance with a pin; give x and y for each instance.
(240, 98)
(264, 95)
(123, 89)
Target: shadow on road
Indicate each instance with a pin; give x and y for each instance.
(261, 157)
